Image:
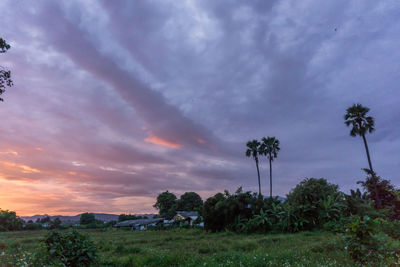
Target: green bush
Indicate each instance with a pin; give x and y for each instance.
(242, 212)
(223, 210)
(358, 203)
(315, 202)
(71, 248)
(366, 244)
(338, 226)
(384, 195)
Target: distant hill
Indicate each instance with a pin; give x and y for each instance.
(75, 219)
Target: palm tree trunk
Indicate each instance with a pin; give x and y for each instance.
(259, 183)
(366, 149)
(378, 200)
(270, 176)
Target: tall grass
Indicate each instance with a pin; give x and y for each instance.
(185, 247)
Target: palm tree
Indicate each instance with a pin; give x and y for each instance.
(252, 151)
(356, 116)
(270, 148)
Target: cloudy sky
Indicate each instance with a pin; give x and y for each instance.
(116, 101)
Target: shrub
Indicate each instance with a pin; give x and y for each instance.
(338, 226)
(358, 203)
(71, 248)
(383, 194)
(241, 212)
(315, 201)
(366, 244)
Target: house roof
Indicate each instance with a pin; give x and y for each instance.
(187, 214)
(139, 222)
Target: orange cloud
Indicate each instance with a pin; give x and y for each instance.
(162, 142)
(23, 168)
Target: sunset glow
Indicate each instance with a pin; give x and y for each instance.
(161, 142)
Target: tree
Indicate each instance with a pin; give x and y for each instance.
(45, 219)
(190, 201)
(382, 193)
(9, 221)
(55, 224)
(313, 198)
(5, 75)
(356, 116)
(166, 204)
(87, 218)
(253, 151)
(270, 148)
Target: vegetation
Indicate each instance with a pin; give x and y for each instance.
(382, 194)
(194, 247)
(5, 75)
(270, 148)
(9, 221)
(190, 201)
(168, 204)
(87, 218)
(70, 248)
(366, 243)
(316, 201)
(356, 116)
(253, 151)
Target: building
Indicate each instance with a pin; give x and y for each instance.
(140, 224)
(187, 216)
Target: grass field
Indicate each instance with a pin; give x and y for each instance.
(184, 247)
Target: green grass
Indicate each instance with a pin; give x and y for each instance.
(185, 247)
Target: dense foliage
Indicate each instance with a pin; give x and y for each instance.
(10, 221)
(71, 248)
(316, 201)
(167, 203)
(87, 218)
(236, 211)
(189, 201)
(366, 243)
(383, 195)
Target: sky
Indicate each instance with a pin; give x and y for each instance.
(115, 102)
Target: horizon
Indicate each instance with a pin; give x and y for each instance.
(116, 102)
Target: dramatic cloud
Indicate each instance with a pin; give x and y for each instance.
(116, 101)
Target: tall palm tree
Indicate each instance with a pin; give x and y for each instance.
(356, 116)
(252, 151)
(270, 148)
